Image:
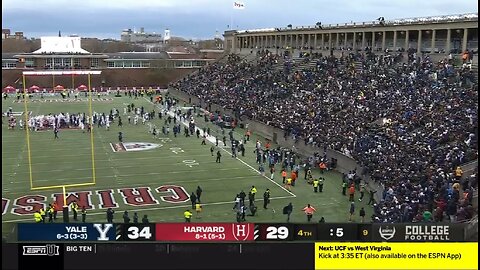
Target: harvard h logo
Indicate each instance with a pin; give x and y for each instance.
(241, 231)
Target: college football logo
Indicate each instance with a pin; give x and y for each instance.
(386, 233)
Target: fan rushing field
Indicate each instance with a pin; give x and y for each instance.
(153, 175)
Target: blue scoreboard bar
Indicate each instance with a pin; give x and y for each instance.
(66, 232)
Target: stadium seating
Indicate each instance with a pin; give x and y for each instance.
(410, 124)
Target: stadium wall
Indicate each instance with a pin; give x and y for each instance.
(109, 78)
(455, 33)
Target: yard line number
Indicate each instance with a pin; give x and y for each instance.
(190, 163)
(176, 150)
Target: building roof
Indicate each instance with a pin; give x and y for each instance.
(10, 56)
(405, 21)
(137, 55)
(60, 55)
(182, 55)
(211, 51)
(61, 45)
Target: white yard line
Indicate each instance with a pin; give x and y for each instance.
(116, 157)
(116, 173)
(107, 167)
(99, 187)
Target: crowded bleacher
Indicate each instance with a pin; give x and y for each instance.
(408, 122)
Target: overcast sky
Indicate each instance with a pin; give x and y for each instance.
(203, 18)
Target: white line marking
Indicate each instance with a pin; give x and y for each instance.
(108, 167)
(116, 158)
(112, 165)
(113, 149)
(154, 183)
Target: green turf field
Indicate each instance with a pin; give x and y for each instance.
(180, 161)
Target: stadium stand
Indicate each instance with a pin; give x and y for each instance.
(409, 122)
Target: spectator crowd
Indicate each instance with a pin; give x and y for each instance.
(409, 124)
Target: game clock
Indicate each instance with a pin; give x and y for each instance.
(343, 232)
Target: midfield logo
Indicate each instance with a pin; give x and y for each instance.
(133, 146)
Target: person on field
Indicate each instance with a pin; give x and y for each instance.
(351, 192)
(50, 213)
(84, 214)
(320, 184)
(110, 213)
(309, 210)
(126, 218)
(193, 199)
(74, 208)
(187, 215)
(37, 217)
(288, 184)
(352, 211)
(315, 185)
(362, 215)
(55, 132)
(55, 210)
(199, 193)
(266, 198)
(43, 214)
(284, 176)
(198, 209)
(287, 210)
(135, 218)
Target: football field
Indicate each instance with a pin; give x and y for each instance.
(149, 175)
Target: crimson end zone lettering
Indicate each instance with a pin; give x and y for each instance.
(204, 232)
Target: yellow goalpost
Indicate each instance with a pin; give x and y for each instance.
(26, 97)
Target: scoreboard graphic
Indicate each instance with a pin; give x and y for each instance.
(232, 232)
(309, 246)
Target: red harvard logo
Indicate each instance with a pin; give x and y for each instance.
(241, 232)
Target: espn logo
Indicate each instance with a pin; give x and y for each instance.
(47, 250)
